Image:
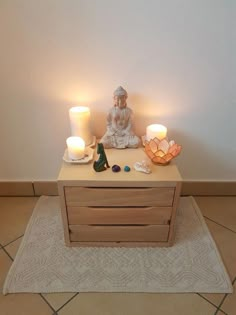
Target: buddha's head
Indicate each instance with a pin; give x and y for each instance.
(120, 96)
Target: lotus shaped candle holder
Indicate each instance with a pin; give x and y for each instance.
(162, 151)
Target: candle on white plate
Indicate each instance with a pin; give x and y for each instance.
(80, 123)
(156, 131)
(75, 147)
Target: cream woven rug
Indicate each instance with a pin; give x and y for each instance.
(44, 264)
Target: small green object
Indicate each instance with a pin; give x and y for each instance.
(101, 164)
(126, 168)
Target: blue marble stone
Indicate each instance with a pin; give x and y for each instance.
(126, 168)
(115, 168)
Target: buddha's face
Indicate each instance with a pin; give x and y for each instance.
(120, 101)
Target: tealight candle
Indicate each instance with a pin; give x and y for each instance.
(80, 123)
(156, 131)
(76, 147)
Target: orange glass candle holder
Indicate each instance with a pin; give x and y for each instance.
(162, 151)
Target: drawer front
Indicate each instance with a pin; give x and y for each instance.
(119, 215)
(89, 196)
(146, 233)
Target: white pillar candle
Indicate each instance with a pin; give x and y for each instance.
(76, 146)
(156, 131)
(80, 123)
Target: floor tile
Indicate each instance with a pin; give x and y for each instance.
(14, 216)
(24, 304)
(20, 304)
(219, 209)
(226, 243)
(213, 297)
(137, 304)
(229, 304)
(56, 300)
(5, 264)
(13, 247)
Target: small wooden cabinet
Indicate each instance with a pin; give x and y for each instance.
(119, 209)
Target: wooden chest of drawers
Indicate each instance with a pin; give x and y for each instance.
(119, 209)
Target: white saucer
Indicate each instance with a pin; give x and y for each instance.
(88, 157)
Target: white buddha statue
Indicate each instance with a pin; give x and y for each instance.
(119, 132)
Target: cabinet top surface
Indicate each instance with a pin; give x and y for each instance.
(84, 174)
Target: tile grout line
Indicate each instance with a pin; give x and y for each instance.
(33, 188)
(219, 224)
(46, 301)
(233, 281)
(54, 311)
(221, 303)
(13, 241)
(217, 311)
(207, 300)
(67, 301)
(6, 252)
(223, 299)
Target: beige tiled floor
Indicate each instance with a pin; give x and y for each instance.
(220, 215)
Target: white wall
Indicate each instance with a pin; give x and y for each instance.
(176, 59)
